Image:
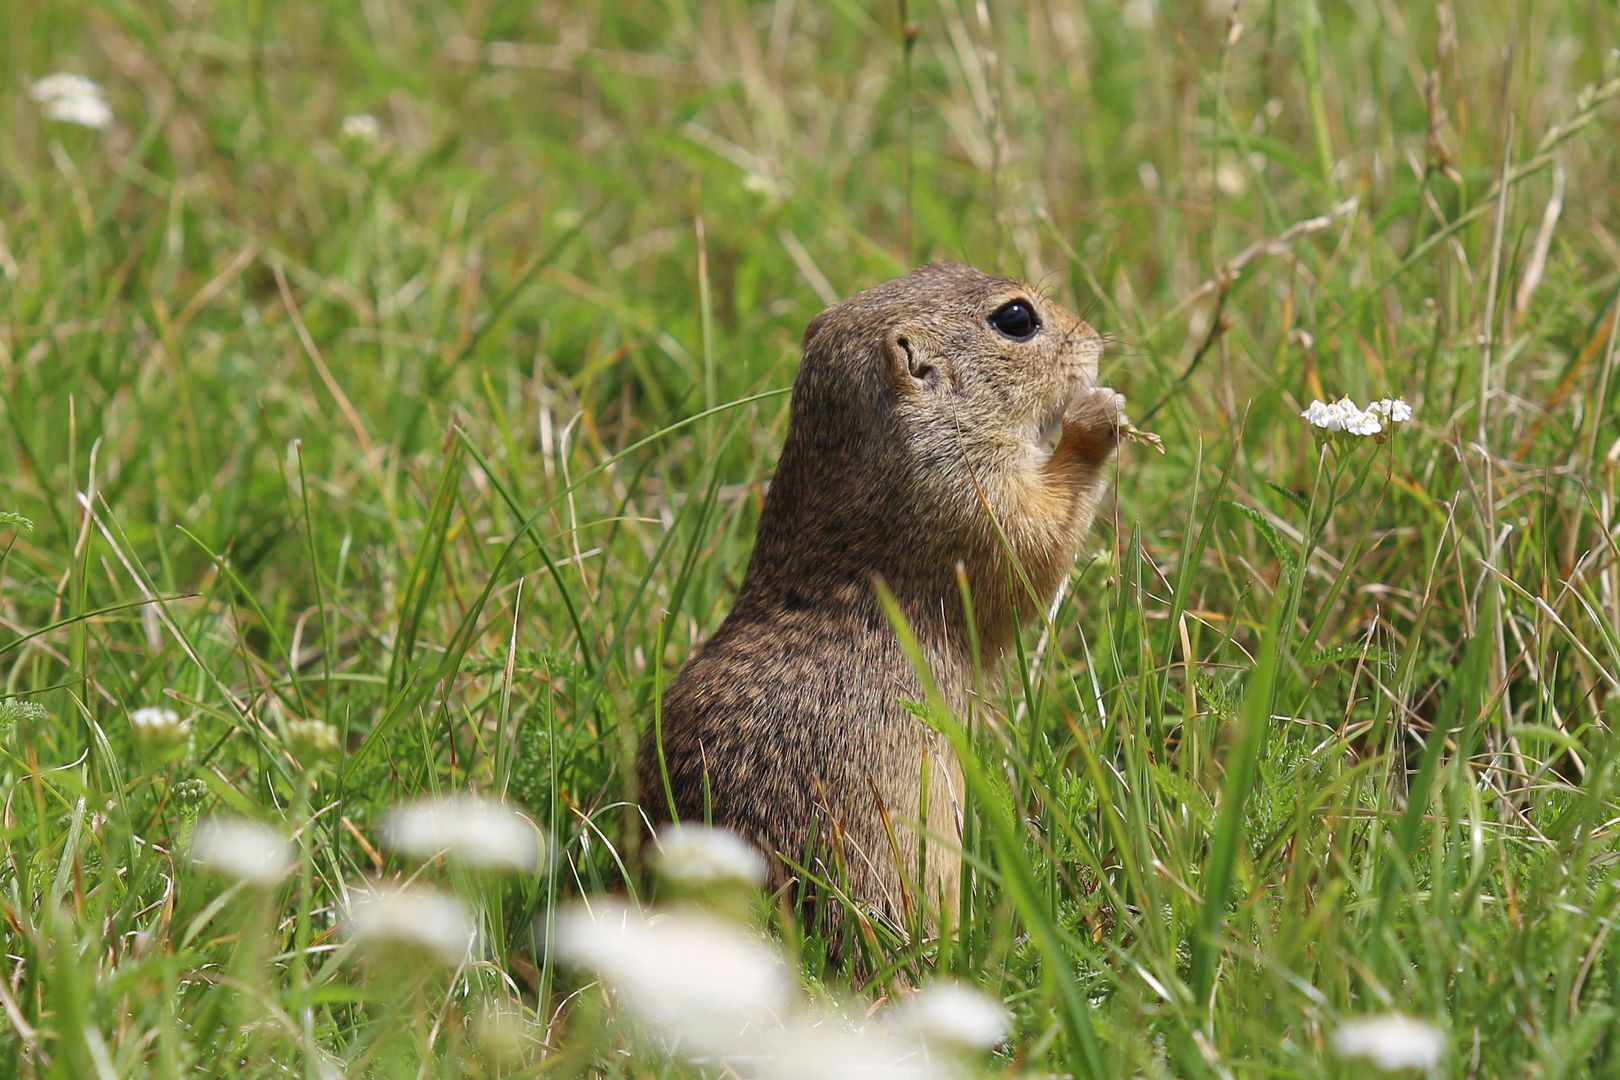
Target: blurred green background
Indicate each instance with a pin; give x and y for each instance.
(450, 430)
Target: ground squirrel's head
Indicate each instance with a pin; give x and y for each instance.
(946, 416)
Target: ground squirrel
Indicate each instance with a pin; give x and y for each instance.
(944, 419)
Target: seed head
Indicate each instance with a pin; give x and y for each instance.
(17, 713)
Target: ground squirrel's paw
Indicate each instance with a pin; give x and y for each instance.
(1092, 423)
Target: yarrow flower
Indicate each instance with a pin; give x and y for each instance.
(715, 993)
(247, 851)
(312, 740)
(1391, 1042)
(413, 920)
(1346, 417)
(951, 1015)
(72, 99)
(1395, 409)
(703, 982)
(828, 1048)
(478, 833)
(160, 731)
(361, 127)
(699, 856)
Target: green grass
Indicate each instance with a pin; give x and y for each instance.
(456, 441)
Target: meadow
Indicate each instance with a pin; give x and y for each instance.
(388, 390)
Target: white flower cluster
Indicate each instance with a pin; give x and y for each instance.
(477, 833)
(717, 994)
(72, 99)
(155, 720)
(1391, 1042)
(1346, 417)
(699, 857)
(361, 127)
(160, 731)
(696, 978)
(413, 921)
(253, 854)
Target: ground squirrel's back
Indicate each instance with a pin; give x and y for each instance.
(941, 420)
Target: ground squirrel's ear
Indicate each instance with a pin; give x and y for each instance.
(910, 368)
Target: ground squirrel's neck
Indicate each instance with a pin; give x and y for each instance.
(851, 505)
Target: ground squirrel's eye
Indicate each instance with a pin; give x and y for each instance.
(1016, 319)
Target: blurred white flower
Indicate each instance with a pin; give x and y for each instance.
(361, 127)
(705, 983)
(245, 850)
(72, 99)
(951, 1015)
(697, 855)
(86, 112)
(63, 84)
(159, 730)
(1349, 418)
(475, 832)
(828, 1048)
(413, 920)
(311, 740)
(154, 719)
(1391, 1042)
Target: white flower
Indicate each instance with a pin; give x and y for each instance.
(827, 1048)
(474, 832)
(1393, 409)
(1362, 423)
(1391, 1042)
(86, 112)
(63, 84)
(72, 99)
(361, 127)
(312, 740)
(951, 1015)
(696, 855)
(159, 728)
(155, 719)
(1349, 418)
(245, 850)
(706, 983)
(415, 919)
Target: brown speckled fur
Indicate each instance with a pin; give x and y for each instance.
(913, 425)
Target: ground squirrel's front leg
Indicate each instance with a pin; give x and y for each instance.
(1091, 429)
